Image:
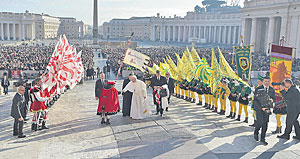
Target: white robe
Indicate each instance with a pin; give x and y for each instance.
(164, 100)
(139, 106)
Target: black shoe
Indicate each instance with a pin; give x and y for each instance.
(26, 119)
(44, 125)
(107, 122)
(296, 137)
(216, 110)
(277, 131)
(208, 106)
(199, 103)
(15, 134)
(34, 127)
(264, 142)
(233, 116)
(102, 121)
(246, 120)
(212, 108)
(193, 101)
(21, 136)
(229, 116)
(205, 105)
(239, 118)
(156, 113)
(283, 137)
(256, 137)
(223, 113)
(167, 109)
(253, 125)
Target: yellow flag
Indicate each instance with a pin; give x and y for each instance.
(196, 59)
(189, 66)
(216, 72)
(180, 74)
(226, 70)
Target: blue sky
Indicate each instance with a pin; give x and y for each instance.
(108, 9)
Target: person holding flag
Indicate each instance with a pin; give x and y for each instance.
(233, 97)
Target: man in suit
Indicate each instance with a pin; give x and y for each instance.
(17, 112)
(262, 114)
(100, 83)
(292, 99)
(171, 86)
(5, 84)
(127, 97)
(156, 82)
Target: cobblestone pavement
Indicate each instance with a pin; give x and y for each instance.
(186, 131)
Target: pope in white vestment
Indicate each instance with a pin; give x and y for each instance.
(139, 106)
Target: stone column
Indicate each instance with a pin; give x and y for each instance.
(2, 32)
(179, 35)
(160, 33)
(189, 33)
(215, 34)
(153, 33)
(220, 34)
(174, 33)
(209, 34)
(243, 29)
(229, 35)
(14, 31)
(199, 32)
(238, 34)
(283, 31)
(20, 32)
(32, 31)
(234, 35)
(271, 31)
(23, 32)
(8, 31)
(194, 32)
(184, 34)
(169, 33)
(253, 34)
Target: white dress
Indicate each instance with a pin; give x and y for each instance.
(139, 106)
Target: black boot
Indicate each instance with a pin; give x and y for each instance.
(193, 101)
(277, 131)
(44, 125)
(212, 108)
(216, 110)
(200, 103)
(239, 118)
(102, 121)
(246, 120)
(34, 127)
(220, 113)
(107, 122)
(208, 106)
(205, 105)
(233, 116)
(223, 112)
(229, 116)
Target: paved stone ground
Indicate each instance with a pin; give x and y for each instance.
(186, 131)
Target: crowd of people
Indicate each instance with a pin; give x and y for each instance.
(35, 57)
(157, 54)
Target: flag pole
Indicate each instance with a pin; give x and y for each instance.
(121, 64)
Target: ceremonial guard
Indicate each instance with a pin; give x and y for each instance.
(215, 99)
(193, 88)
(244, 99)
(181, 87)
(224, 93)
(108, 102)
(233, 97)
(38, 106)
(210, 99)
(259, 83)
(199, 91)
(205, 92)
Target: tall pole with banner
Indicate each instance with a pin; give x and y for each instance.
(121, 64)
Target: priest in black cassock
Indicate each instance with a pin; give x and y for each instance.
(127, 97)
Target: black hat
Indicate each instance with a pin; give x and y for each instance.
(158, 71)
